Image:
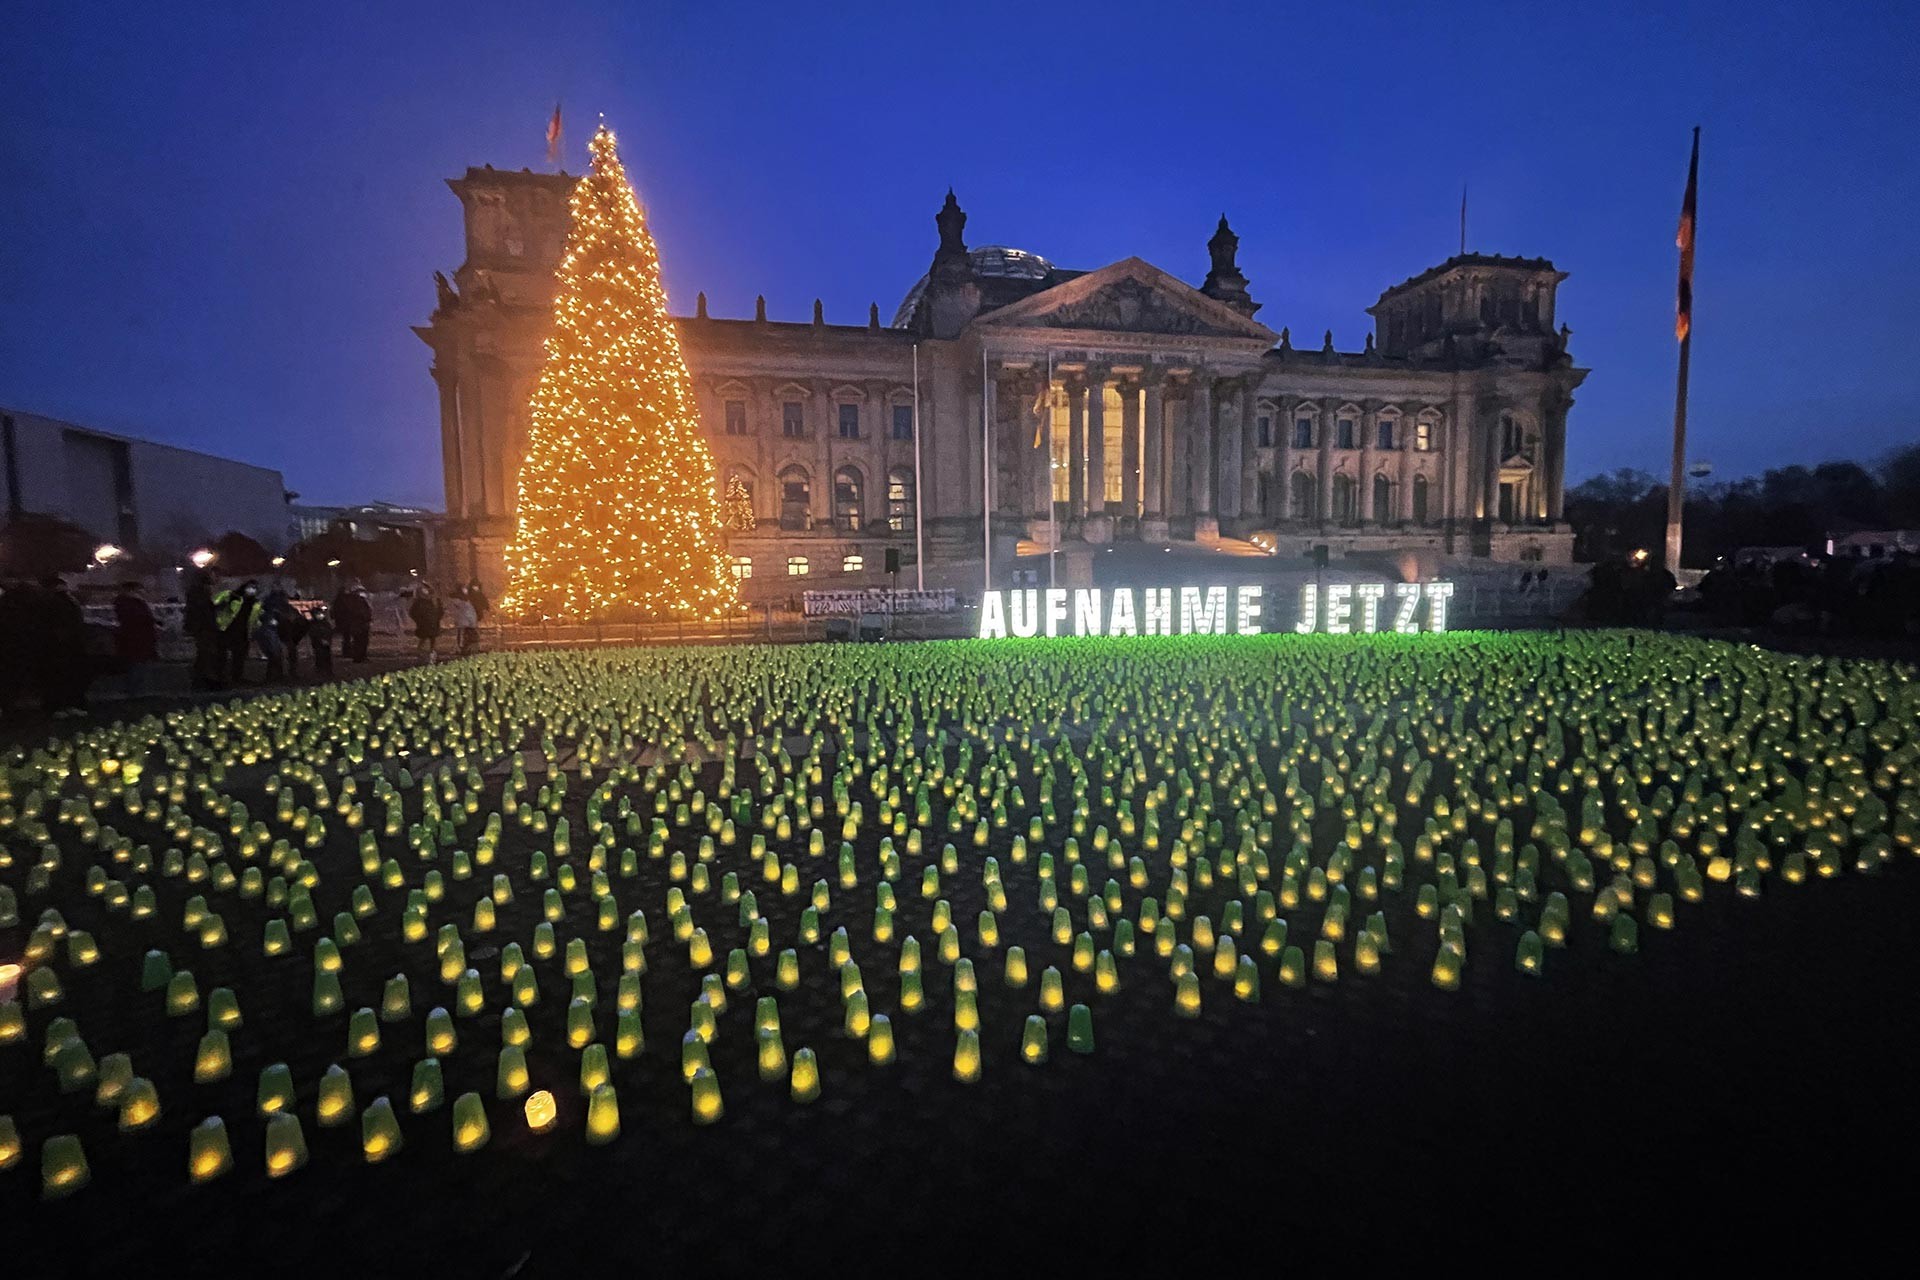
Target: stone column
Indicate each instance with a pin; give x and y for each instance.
(1039, 449)
(1369, 428)
(1462, 439)
(1130, 449)
(451, 445)
(1077, 449)
(1249, 463)
(1286, 411)
(991, 499)
(1553, 443)
(1403, 497)
(1153, 477)
(1096, 441)
(1490, 464)
(1329, 418)
(1227, 455)
(1200, 444)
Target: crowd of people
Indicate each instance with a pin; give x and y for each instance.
(50, 657)
(1854, 595)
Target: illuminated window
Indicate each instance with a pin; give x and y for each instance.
(1303, 432)
(793, 418)
(1423, 437)
(849, 500)
(899, 499)
(849, 422)
(736, 417)
(852, 562)
(1385, 438)
(1344, 433)
(796, 566)
(903, 422)
(1264, 425)
(742, 567)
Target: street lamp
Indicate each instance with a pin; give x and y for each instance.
(107, 553)
(201, 558)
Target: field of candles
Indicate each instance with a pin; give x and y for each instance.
(690, 954)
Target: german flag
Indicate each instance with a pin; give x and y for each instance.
(553, 136)
(1683, 319)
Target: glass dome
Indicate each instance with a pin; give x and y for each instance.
(997, 261)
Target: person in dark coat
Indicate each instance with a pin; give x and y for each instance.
(478, 599)
(320, 636)
(236, 612)
(353, 618)
(16, 642)
(63, 667)
(426, 611)
(197, 620)
(136, 638)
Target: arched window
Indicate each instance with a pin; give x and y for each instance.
(1419, 499)
(900, 499)
(849, 500)
(1305, 497)
(1383, 499)
(1512, 436)
(1345, 511)
(796, 498)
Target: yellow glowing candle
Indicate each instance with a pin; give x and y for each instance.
(603, 1116)
(1186, 995)
(966, 1057)
(805, 1085)
(541, 1111)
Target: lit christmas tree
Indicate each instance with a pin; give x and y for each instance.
(738, 505)
(618, 514)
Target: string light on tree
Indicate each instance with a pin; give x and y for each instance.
(739, 506)
(618, 513)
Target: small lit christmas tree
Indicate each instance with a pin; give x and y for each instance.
(618, 514)
(738, 505)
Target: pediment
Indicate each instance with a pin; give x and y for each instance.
(1131, 296)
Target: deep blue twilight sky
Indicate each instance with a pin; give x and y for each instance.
(218, 219)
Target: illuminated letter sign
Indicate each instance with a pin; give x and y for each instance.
(1124, 611)
(1354, 608)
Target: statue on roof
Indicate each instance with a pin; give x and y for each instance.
(446, 298)
(1225, 282)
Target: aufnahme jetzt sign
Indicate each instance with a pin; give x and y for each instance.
(1345, 608)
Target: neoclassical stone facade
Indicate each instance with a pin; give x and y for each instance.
(1078, 409)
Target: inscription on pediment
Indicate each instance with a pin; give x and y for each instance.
(1131, 306)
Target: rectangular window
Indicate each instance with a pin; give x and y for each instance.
(1423, 437)
(796, 566)
(903, 422)
(1264, 425)
(1386, 434)
(736, 417)
(1343, 435)
(793, 419)
(852, 562)
(849, 422)
(742, 567)
(1303, 433)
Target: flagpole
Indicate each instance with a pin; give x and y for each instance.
(1053, 518)
(1676, 487)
